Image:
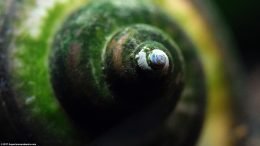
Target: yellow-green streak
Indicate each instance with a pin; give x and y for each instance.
(217, 128)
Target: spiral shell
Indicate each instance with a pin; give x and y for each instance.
(113, 72)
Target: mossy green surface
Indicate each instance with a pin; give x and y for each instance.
(31, 81)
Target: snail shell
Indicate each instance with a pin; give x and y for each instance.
(112, 67)
(103, 67)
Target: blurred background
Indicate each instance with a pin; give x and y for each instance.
(243, 21)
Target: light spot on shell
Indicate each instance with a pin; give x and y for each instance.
(147, 60)
(30, 100)
(37, 14)
(141, 60)
(159, 59)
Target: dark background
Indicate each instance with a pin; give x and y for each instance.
(243, 20)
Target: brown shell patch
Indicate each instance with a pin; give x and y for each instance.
(73, 56)
(117, 46)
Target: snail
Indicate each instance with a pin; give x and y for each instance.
(114, 73)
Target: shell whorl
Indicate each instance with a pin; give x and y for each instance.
(110, 61)
(95, 64)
